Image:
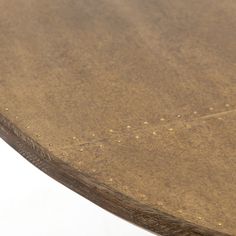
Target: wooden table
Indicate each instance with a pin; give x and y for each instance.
(132, 104)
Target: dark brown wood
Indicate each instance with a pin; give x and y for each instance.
(129, 103)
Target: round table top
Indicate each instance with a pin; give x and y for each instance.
(132, 104)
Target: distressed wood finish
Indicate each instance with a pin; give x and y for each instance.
(132, 104)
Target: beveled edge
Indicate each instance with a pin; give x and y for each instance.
(115, 202)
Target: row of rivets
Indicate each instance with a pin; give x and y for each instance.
(129, 126)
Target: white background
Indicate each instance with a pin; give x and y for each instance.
(33, 204)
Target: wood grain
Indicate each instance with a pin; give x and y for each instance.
(129, 103)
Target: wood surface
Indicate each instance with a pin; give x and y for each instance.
(132, 104)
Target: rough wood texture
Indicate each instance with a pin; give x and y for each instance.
(130, 103)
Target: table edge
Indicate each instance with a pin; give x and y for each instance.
(109, 199)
